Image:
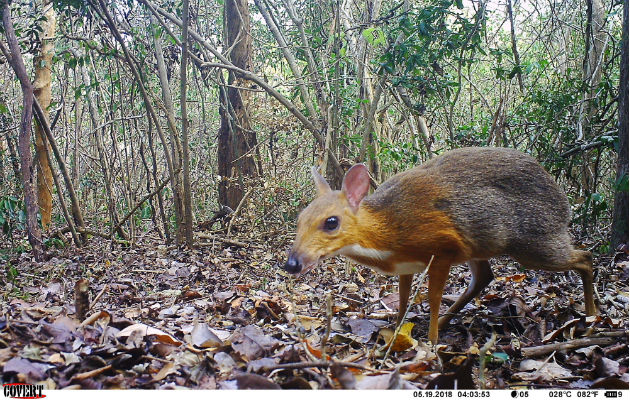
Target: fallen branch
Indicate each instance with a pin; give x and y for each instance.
(545, 349)
(318, 364)
(220, 239)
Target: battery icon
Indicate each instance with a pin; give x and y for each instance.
(611, 393)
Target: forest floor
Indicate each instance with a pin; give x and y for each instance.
(225, 316)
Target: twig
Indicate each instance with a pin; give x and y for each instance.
(318, 364)
(570, 345)
(238, 209)
(98, 296)
(141, 202)
(220, 239)
(582, 147)
(273, 314)
(545, 362)
(411, 303)
(91, 374)
(150, 271)
(482, 358)
(328, 324)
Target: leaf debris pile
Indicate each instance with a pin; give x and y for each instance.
(224, 316)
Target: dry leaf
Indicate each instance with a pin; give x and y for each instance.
(201, 336)
(403, 341)
(146, 330)
(167, 369)
(545, 370)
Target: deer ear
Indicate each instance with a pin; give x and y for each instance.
(356, 184)
(320, 183)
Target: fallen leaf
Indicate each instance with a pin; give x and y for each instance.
(363, 328)
(458, 375)
(403, 340)
(612, 382)
(343, 376)
(512, 278)
(297, 383)
(260, 364)
(545, 370)
(225, 363)
(604, 366)
(166, 370)
(34, 371)
(379, 382)
(253, 381)
(309, 323)
(146, 330)
(251, 342)
(201, 336)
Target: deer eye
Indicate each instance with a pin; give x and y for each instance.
(331, 224)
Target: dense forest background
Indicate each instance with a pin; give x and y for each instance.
(154, 134)
(160, 124)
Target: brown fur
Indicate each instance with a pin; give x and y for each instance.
(467, 204)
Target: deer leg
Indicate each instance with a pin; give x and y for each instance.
(583, 265)
(404, 289)
(438, 274)
(481, 277)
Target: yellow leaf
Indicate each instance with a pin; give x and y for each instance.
(403, 340)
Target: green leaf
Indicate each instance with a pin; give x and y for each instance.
(515, 70)
(374, 36)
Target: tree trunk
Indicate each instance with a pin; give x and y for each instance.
(76, 210)
(42, 90)
(237, 141)
(14, 56)
(595, 44)
(188, 231)
(620, 213)
(176, 146)
(517, 57)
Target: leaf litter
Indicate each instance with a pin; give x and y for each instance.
(227, 317)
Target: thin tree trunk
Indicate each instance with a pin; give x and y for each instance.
(620, 213)
(62, 204)
(42, 90)
(4, 124)
(76, 210)
(313, 68)
(176, 146)
(366, 91)
(188, 231)
(101, 9)
(98, 136)
(517, 57)
(154, 171)
(284, 47)
(334, 176)
(595, 42)
(14, 56)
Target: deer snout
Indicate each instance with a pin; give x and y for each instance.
(293, 265)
